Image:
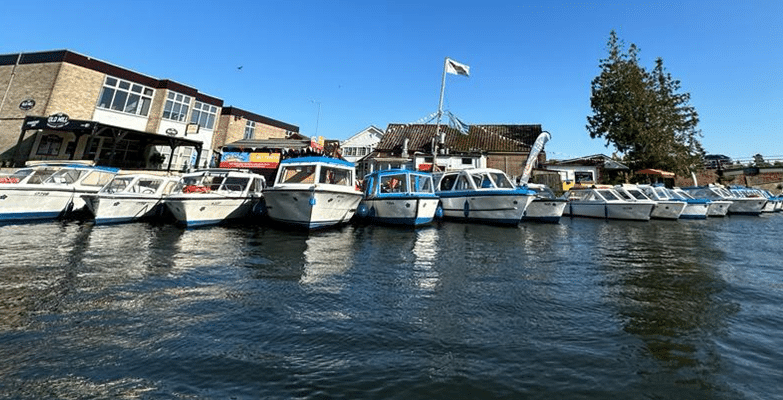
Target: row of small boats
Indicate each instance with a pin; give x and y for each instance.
(317, 192)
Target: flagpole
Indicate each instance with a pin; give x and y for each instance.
(440, 102)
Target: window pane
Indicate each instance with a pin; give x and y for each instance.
(124, 85)
(210, 121)
(119, 100)
(167, 109)
(136, 88)
(175, 114)
(203, 120)
(106, 97)
(171, 95)
(179, 97)
(148, 92)
(184, 113)
(133, 104)
(194, 116)
(145, 106)
(111, 81)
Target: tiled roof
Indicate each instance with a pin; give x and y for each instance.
(480, 138)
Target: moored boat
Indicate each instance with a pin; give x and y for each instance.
(130, 197)
(739, 205)
(604, 202)
(694, 208)
(662, 209)
(49, 191)
(313, 192)
(398, 197)
(212, 196)
(483, 195)
(545, 207)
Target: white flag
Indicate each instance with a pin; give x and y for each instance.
(456, 68)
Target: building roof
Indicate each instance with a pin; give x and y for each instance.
(480, 138)
(595, 159)
(234, 111)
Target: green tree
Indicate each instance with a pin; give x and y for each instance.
(643, 114)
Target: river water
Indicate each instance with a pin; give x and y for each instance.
(584, 309)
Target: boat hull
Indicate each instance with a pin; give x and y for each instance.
(544, 210)
(626, 211)
(37, 202)
(311, 208)
(747, 206)
(667, 209)
(718, 208)
(695, 210)
(407, 210)
(118, 209)
(491, 208)
(205, 209)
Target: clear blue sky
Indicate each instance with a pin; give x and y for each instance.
(378, 62)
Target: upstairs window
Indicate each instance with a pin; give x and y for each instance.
(125, 96)
(250, 129)
(203, 115)
(176, 108)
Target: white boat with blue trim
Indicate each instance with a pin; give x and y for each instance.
(49, 191)
(212, 196)
(313, 192)
(739, 205)
(398, 197)
(483, 195)
(694, 208)
(131, 197)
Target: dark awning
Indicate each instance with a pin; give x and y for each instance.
(61, 122)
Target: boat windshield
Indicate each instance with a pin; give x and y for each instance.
(607, 194)
(88, 178)
(335, 176)
(117, 184)
(447, 181)
(421, 183)
(297, 174)
(624, 195)
(18, 176)
(393, 184)
(681, 194)
(235, 183)
(637, 194)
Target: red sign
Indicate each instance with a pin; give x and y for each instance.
(425, 167)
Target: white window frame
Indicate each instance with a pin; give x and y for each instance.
(204, 115)
(125, 96)
(250, 129)
(176, 107)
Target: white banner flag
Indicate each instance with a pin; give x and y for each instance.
(456, 68)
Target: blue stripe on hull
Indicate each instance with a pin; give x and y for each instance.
(402, 221)
(697, 216)
(109, 221)
(28, 215)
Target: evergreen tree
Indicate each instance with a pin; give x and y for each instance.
(643, 114)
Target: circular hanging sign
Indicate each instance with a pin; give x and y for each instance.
(58, 120)
(171, 132)
(27, 105)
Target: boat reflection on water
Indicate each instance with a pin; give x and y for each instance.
(329, 254)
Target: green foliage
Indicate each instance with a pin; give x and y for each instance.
(643, 114)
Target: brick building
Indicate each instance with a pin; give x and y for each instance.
(64, 105)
